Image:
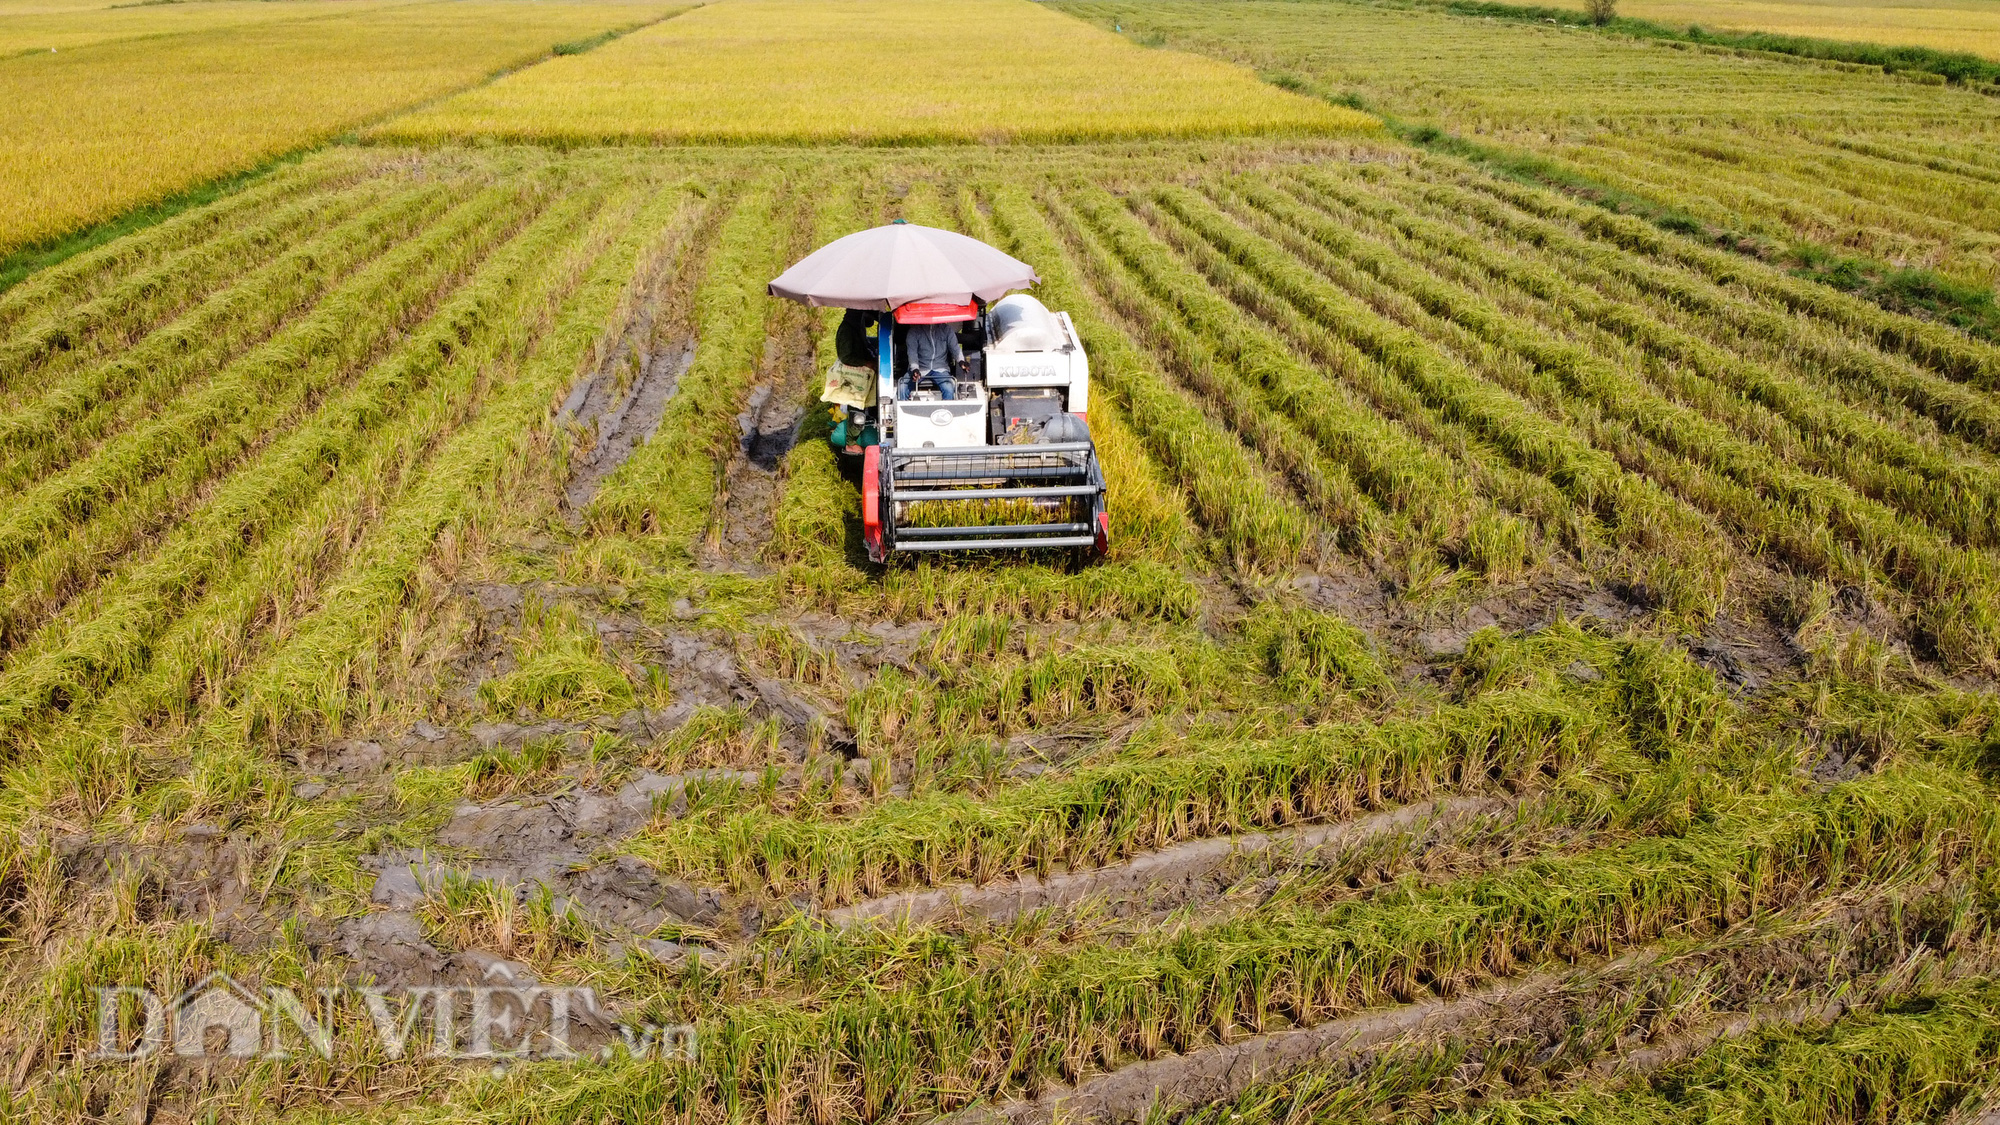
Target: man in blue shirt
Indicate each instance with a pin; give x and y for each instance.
(934, 355)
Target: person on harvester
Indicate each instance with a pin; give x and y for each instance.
(934, 354)
(854, 341)
(855, 345)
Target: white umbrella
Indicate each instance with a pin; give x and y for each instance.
(891, 266)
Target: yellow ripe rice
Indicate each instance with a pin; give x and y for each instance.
(41, 29)
(872, 71)
(94, 131)
(1944, 25)
(982, 513)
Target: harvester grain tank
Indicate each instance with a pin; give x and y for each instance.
(1004, 460)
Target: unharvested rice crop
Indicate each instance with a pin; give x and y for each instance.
(41, 31)
(97, 129)
(51, 7)
(872, 71)
(1545, 669)
(1944, 25)
(1755, 146)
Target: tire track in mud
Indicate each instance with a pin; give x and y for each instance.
(1182, 874)
(749, 485)
(620, 406)
(621, 418)
(1785, 972)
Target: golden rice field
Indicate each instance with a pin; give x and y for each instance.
(1946, 25)
(37, 28)
(1546, 671)
(96, 129)
(875, 71)
(1890, 167)
(50, 7)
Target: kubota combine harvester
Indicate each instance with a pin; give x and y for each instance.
(1004, 458)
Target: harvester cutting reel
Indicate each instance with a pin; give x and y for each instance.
(908, 497)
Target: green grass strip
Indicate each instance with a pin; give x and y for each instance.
(25, 261)
(145, 299)
(57, 289)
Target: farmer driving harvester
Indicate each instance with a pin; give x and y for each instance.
(957, 406)
(934, 354)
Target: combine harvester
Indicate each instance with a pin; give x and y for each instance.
(1012, 445)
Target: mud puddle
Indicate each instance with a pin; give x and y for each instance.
(770, 425)
(745, 514)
